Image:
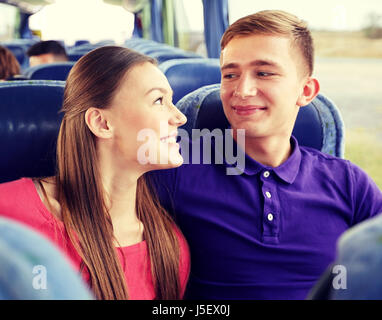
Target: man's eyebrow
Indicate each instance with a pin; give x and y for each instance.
(265, 63)
(230, 66)
(163, 90)
(255, 63)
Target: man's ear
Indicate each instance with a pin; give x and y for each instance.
(97, 123)
(309, 92)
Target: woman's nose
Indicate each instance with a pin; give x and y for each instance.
(177, 118)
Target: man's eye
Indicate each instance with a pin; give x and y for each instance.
(265, 74)
(159, 101)
(229, 76)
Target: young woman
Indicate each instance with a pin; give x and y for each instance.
(99, 208)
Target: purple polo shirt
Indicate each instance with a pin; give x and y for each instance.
(268, 233)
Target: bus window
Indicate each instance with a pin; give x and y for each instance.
(94, 20)
(9, 17)
(189, 24)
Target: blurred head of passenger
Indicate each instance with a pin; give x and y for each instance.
(262, 89)
(117, 100)
(46, 52)
(9, 66)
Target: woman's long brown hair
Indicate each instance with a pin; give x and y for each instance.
(9, 66)
(93, 82)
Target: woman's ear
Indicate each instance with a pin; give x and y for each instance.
(309, 92)
(97, 123)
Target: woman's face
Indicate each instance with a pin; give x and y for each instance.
(144, 120)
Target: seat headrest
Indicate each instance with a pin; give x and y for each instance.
(19, 51)
(50, 71)
(318, 125)
(164, 55)
(29, 125)
(187, 75)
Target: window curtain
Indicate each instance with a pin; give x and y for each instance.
(215, 23)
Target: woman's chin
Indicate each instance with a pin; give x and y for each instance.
(173, 161)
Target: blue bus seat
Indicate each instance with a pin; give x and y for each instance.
(21, 41)
(20, 52)
(80, 42)
(162, 56)
(75, 56)
(105, 42)
(187, 75)
(157, 47)
(29, 125)
(140, 45)
(50, 71)
(318, 125)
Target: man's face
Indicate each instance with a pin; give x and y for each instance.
(42, 59)
(262, 81)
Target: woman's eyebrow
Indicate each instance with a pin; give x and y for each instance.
(163, 90)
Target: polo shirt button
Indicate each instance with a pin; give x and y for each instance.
(268, 194)
(270, 216)
(266, 174)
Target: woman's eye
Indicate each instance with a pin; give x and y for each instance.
(159, 101)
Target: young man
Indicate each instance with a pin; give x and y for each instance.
(270, 232)
(46, 52)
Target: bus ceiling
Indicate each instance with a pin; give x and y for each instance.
(154, 19)
(28, 6)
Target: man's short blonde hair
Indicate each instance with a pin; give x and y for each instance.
(274, 22)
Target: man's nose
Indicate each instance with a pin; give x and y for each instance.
(246, 87)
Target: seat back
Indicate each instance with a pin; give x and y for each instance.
(20, 52)
(75, 56)
(187, 75)
(81, 42)
(50, 71)
(318, 125)
(29, 125)
(164, 55)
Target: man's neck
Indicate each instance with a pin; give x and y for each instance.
(269, 151)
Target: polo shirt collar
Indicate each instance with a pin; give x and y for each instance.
(287, 171)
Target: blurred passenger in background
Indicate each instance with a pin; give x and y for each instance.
(9, 66)
(46, 52)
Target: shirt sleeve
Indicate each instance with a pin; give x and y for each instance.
(367, 197)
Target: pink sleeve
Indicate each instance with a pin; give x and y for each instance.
(20, 201)
(15, 202)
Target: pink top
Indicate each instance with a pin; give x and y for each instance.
(20, 201)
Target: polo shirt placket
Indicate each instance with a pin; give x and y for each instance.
(271, 214)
